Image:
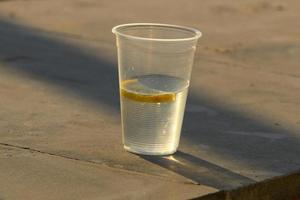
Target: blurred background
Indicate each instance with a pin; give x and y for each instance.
(59, 89)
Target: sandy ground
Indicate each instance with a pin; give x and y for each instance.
(60, 134)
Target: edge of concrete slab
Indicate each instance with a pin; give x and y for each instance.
(286, 187)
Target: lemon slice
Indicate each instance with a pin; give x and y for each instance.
(133, 90)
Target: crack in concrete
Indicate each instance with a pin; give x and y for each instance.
(96, 163)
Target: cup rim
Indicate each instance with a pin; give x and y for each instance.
(116, 30)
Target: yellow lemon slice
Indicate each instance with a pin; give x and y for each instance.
(132, 90)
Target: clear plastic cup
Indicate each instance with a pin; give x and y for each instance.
(155, 63)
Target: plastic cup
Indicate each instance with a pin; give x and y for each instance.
(154, 63)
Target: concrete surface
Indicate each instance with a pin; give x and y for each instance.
(284, 187)
(59, 99)
(28, 174)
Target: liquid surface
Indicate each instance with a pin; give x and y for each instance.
(152, 112)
